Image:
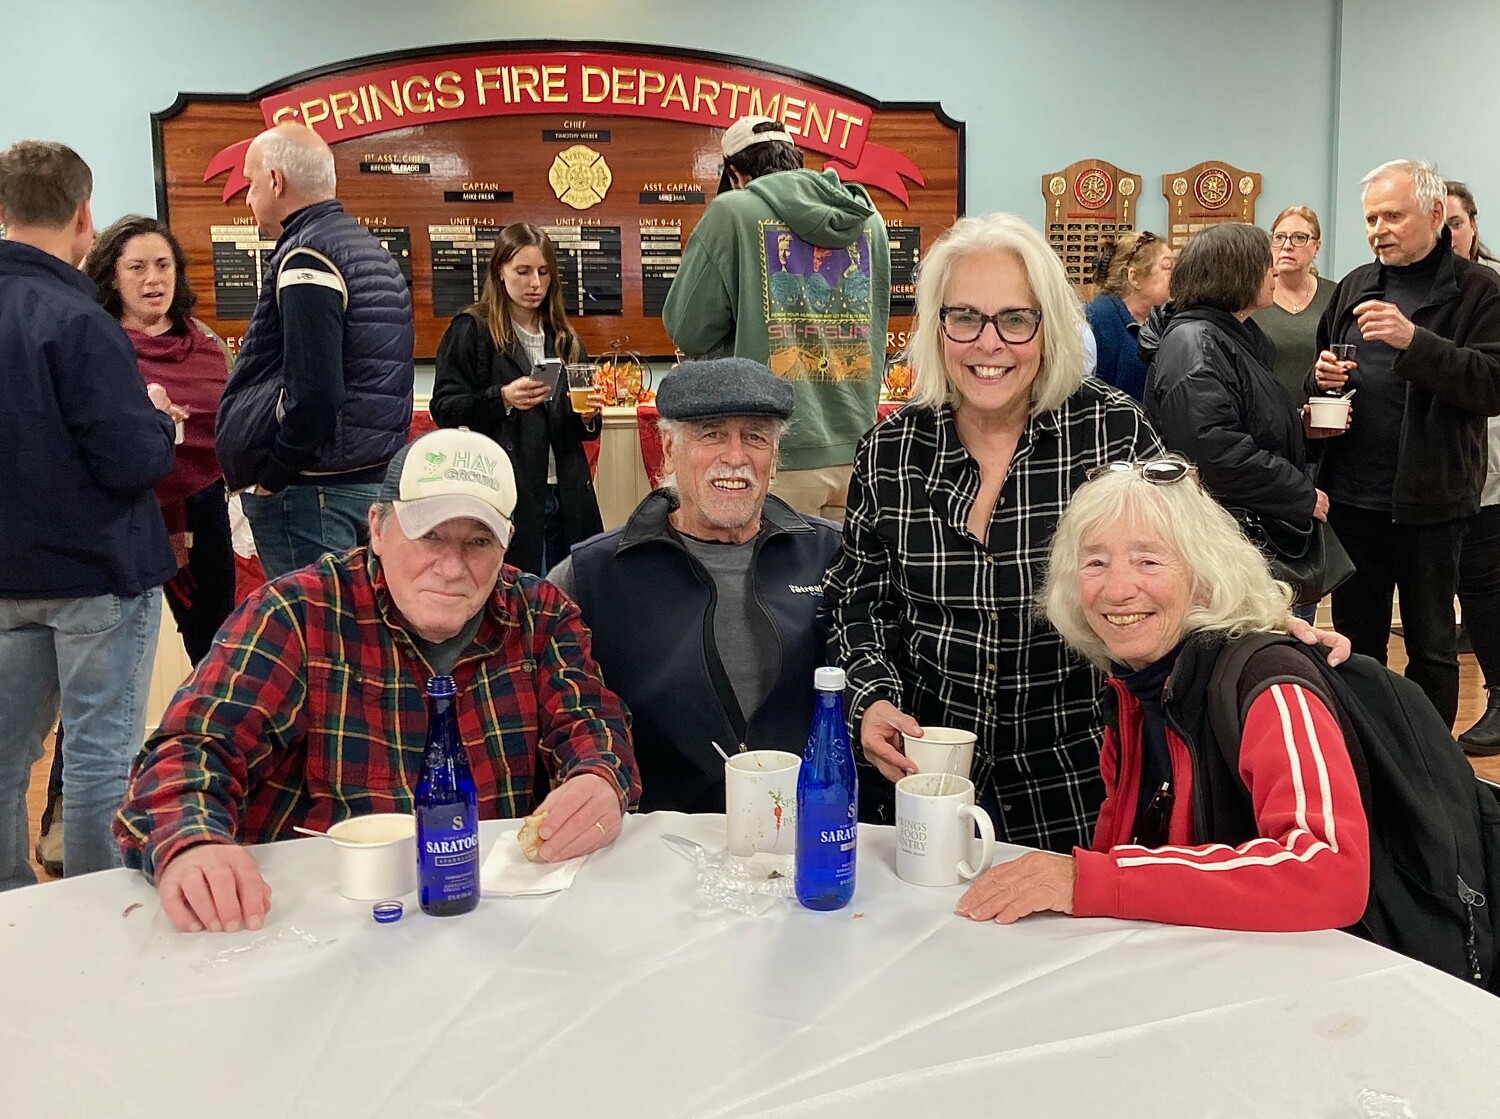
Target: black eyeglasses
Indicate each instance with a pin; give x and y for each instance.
(1016, 325)
(1298, 239)
(1159, 472)
(1156, 820)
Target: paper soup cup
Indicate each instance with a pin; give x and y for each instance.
(1328, 412)
(375, 857)
(932, 750)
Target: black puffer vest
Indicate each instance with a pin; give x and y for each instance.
(375, 418)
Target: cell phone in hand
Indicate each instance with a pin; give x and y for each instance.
(549, 372)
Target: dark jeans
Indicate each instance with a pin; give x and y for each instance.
(1479, 590)
(553, 549)
(1422, 562)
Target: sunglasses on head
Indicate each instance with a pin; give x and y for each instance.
(1159, 472)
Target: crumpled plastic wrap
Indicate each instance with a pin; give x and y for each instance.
(733, 883)
(1382, 1105)
(290, 938)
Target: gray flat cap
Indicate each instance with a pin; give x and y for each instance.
(724, 386)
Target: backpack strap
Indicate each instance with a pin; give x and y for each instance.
(1226, 700)
(1236, 683)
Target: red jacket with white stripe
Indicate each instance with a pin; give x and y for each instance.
(1310, 868)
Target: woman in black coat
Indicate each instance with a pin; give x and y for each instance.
(1211, 393)
(484, 383)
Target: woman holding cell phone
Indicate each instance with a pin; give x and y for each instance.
(500, 372)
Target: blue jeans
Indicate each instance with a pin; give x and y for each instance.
(95, 655)
(303, 522)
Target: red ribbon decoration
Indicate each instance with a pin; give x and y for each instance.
(231, 159)
(881, 167)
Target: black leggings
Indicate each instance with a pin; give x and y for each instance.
(201, 595)
(1479, 590)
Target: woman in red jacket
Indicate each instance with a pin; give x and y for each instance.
(1149, 578)
(141, 274)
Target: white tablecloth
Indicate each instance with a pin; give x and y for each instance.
(616, 998)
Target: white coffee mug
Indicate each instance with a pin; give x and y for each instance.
(932, 751)
(760, 801)
(935, 821)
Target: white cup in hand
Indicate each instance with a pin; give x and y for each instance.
(932, 750)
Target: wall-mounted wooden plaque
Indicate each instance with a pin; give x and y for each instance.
(613, 148)
(1087, 204)
(1207, 194)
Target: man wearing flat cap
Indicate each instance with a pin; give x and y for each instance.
(792, 268)
(311, 706)
(704, 606)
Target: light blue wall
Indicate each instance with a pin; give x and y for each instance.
(1152, 86)
(1419, 81)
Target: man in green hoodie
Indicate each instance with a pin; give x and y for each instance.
(792, 268)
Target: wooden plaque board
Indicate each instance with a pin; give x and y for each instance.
(1207, 194)
(1087, 203)
(613, 148)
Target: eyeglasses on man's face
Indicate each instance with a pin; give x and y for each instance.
(1297, 239)
(1016, 325)
(1159, 472)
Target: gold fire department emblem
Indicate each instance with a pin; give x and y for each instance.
(580, 178)
(1213, 188)
(1093, 189)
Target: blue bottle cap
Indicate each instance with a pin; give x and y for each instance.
(386, 911)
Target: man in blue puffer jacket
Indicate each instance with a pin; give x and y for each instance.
(321, 394)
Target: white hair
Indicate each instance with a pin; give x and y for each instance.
(1063, 323)
(308, 167)
(1232, 589)
(1426, 183)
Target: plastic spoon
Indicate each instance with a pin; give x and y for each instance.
(331, 838)
(949, 769)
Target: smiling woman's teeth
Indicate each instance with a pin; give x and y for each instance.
(1124, 619)
(988, 372)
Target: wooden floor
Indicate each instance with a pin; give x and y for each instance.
(1471, 703)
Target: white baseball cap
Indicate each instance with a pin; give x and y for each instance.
(448, 474)
(741, 135)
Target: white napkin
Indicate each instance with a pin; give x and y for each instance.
(507, 874)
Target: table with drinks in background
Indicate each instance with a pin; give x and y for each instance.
(674, 973)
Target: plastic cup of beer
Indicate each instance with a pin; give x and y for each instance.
(580, 385)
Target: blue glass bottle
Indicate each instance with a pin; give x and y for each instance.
(447, 813)
(827, 831)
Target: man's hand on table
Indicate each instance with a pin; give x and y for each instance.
(1037, 882)
(214, 886)
(880, 731)
(583, 814)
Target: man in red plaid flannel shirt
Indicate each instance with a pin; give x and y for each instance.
(311, 706)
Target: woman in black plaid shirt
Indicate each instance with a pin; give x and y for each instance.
(951, 512)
